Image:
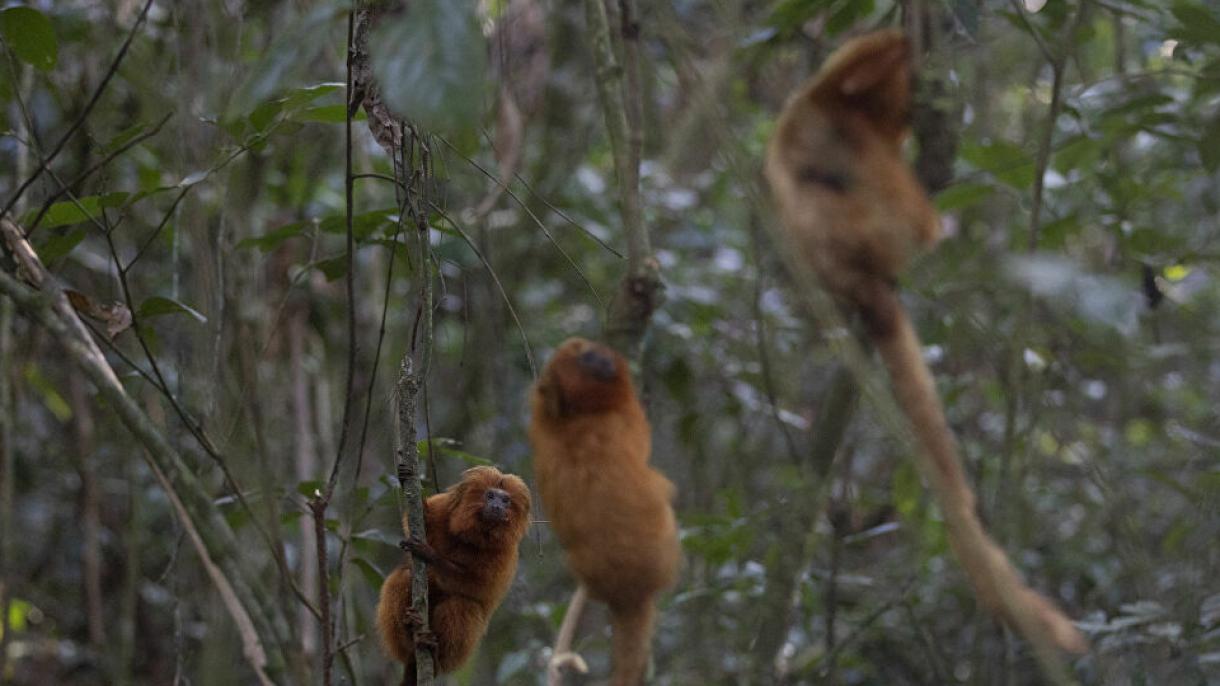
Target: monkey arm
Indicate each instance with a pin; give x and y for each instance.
(428, 554)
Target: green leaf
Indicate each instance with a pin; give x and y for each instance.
(1056, 233)
(1079, 152)
(446, 447)
(791, 15)
(332, 267)
(1209, 146)
(269, 241)
(30, 36)
(372, 576)
(325, 114)
(264, 114)
(430, 63)
(310, 488)
(50, 397)
(291, 54)
(847, 14)
(363, 225)
(123, 138)
(157, 306)
(83, 209)
(1008, 162)
(1197, 24)
(58, 246)
(961, 195)
(379, 536)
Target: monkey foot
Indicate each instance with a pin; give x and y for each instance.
(414, 624)
(567, 661)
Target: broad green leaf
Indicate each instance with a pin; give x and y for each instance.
(70, 212)
(791, 15)
(430, 63)
(310, 488)
(270, 241)
(1079, 152)
(379, 536)
(1196, 23)
(264, 114)
(1008, 162)
(325, 114)
(446, 447)
(307, 94)
(961, 195)
(1055, 234)
(291, 54)
(30, 36)
(332, 267)
(363, 225)
(847, 14)
(46, 391)
(372, 576)
(157, 306)
(292, 105)
(123, 138)
(58, 246)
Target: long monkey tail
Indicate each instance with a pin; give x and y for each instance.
(999, 586)
(632, 641)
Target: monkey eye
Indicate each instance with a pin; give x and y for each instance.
(829, 180)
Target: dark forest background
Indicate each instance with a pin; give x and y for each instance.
(190, 165)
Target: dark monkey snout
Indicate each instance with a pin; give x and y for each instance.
(598, 364)
(496, 505)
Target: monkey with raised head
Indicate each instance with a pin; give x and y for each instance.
(610, 510)
(473, 529)
(856, 213)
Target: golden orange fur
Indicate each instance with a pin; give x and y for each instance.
(854, 209)
(610, 510)
(473, 530)
(851, 204)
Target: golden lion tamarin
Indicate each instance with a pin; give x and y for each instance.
(856, 212)
(473, 530)
(610, 510)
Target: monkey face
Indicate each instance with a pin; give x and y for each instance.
(583, 377)
(489, 508)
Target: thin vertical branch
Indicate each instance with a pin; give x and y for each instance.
(305, 462)
(641, 289)
(408, 470)
(409, 480)
(1058, 63)
(349, 184)
(6, 475)
(91, 556)
(320, 501)
(7, 412)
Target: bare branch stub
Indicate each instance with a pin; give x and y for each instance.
(639, 295)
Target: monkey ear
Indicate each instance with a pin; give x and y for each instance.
(873, 67)
(871, 77)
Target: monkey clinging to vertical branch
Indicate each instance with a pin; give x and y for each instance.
(610, 510)
(473, 531)
(856, 213)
